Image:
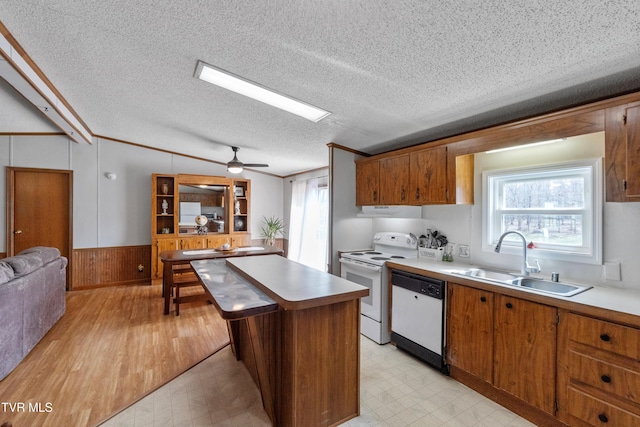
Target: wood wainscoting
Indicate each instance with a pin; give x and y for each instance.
(120, 265)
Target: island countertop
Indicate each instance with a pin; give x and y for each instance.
(295, 286)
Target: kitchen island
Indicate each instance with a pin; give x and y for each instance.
(297, 330)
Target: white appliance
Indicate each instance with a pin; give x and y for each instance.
(188, 213)
(367, 268)
(418, 316)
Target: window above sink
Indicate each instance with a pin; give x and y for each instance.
(557, 206)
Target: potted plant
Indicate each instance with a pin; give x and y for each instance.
(271, 228)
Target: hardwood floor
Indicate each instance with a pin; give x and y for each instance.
(112, 347)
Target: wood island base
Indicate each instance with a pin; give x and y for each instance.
(297, 330)
(305, 362)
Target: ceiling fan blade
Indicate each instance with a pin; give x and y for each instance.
(255, 165)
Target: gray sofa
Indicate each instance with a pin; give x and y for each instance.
(32, 300)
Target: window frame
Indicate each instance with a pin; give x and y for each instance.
(592, 224)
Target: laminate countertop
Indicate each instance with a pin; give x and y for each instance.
(295, 286)
(603, 301)
(233, 296)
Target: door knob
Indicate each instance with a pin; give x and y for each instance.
(17, 232)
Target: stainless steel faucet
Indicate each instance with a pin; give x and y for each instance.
(526, 268)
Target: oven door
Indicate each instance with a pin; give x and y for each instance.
(366, 275)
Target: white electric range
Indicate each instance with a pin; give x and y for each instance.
(367, 268)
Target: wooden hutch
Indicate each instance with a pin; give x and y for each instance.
(177, 198)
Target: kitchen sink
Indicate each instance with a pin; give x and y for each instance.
(529, 283)
(488, 274)
(557, 288)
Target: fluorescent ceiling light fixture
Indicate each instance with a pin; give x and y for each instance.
(516, 147)
(237, 84)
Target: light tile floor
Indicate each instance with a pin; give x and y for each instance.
(396, 390)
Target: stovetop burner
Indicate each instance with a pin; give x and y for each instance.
(387, 246)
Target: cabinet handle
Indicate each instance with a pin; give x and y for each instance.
(418, 193)
(402, 194)
(375, 196)
(509, 305)
(603, 418)
(483, 299)
(605, 378)
(605, 337)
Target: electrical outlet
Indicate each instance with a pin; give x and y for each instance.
(463, 251)
(612, 270)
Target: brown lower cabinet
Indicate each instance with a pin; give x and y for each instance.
(598, 372)
(505, 348)
(550, 365)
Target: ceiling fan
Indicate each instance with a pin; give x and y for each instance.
(236, 166)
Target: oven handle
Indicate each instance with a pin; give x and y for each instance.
(360, 265)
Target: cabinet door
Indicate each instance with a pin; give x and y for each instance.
(428, 172)
(367, 183)
(217, 242)
(470, 330)
(242, 240)
(633, 153)
(525, 351)
(394, 180)
(160, 246)
(191, 243)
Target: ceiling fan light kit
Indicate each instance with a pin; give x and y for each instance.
(237, 84)
(236, 166)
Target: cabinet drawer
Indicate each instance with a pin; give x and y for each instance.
(612, 379)
(607, 336)
(598, 413)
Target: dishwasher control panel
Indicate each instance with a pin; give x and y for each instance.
(428, 286)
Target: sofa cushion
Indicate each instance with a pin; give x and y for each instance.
(47, 254)
(6, 272)
(23, 264)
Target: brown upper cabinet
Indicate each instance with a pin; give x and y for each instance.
(368, 182)
(622, 153)
(415, 178)
(442, 171)
(428, 172)
(394, 180)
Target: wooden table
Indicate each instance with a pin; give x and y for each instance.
(297, 330)
(184, 257)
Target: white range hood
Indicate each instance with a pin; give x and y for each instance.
(391, 212)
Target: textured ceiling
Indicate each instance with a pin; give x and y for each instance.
(393, 73)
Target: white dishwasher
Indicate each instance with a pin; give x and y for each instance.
(417, 316)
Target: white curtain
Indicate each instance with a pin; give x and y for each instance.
(308, 223)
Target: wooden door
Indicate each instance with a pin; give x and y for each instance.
(39, 211)
(470, 330)
(525, 350)
(428, 172)
(394, 180)
(367, 183)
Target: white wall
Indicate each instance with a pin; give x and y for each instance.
(348, 232)
(118, 213)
